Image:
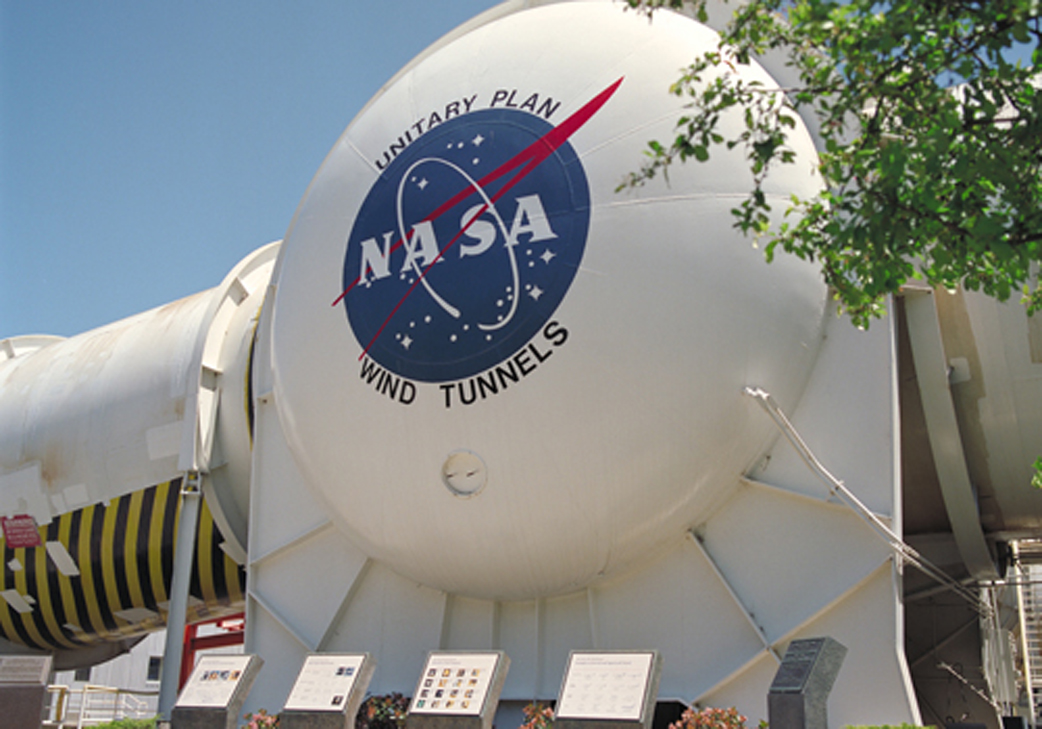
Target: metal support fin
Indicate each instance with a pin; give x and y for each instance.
(749, 617)
(903, 550)
(931, 369)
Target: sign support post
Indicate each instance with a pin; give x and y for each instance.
(23, 690)
(176, 615)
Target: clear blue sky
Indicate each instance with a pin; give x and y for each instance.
(146, 147)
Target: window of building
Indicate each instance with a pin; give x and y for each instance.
(82, 675)
(155, 666)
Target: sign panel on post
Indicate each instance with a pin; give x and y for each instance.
(609, 690)
(324, 683)
(213, 682)
(458, 690)
(215, 692)
(609, 686)
(454, 683)
(328, 691)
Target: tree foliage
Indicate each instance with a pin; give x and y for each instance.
(930, 138)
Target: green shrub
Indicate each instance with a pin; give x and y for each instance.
(129, 724)
(382, 712)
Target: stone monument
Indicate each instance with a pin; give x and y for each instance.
(23, 690)
(801, 686)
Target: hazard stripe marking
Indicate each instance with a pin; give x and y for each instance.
(104, 573)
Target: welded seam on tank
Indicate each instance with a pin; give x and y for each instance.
(690, 196)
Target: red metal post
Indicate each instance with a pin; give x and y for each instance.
(234, 634)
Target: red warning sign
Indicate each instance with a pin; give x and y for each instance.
(20, 531)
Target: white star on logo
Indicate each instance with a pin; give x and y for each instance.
(547, 256)
(535, 293)
(477, 140)
(422, 183)
(406, 341)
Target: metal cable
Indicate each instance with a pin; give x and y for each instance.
(903, 550)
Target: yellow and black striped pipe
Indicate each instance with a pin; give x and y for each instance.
(124, 552)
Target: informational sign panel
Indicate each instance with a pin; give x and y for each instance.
(325, 682)
(795, 667)
(455, 683)
(607, 686)
(20, 531)
(213, 683)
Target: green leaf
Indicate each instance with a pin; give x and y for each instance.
(913, 172)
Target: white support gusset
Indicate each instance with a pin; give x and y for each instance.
(807, 498)
(338, 616)
(789, 635)
(287, 625)
(903, 550)
(734, 595)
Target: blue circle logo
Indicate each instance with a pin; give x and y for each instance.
(466, 245)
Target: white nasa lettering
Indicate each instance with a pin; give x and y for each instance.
(375, 260)
(480, 230)
(423, 246)
(530, 218)
(422, 250)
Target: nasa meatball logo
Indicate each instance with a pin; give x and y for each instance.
(465, 246)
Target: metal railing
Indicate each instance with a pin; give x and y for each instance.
(90, 705)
